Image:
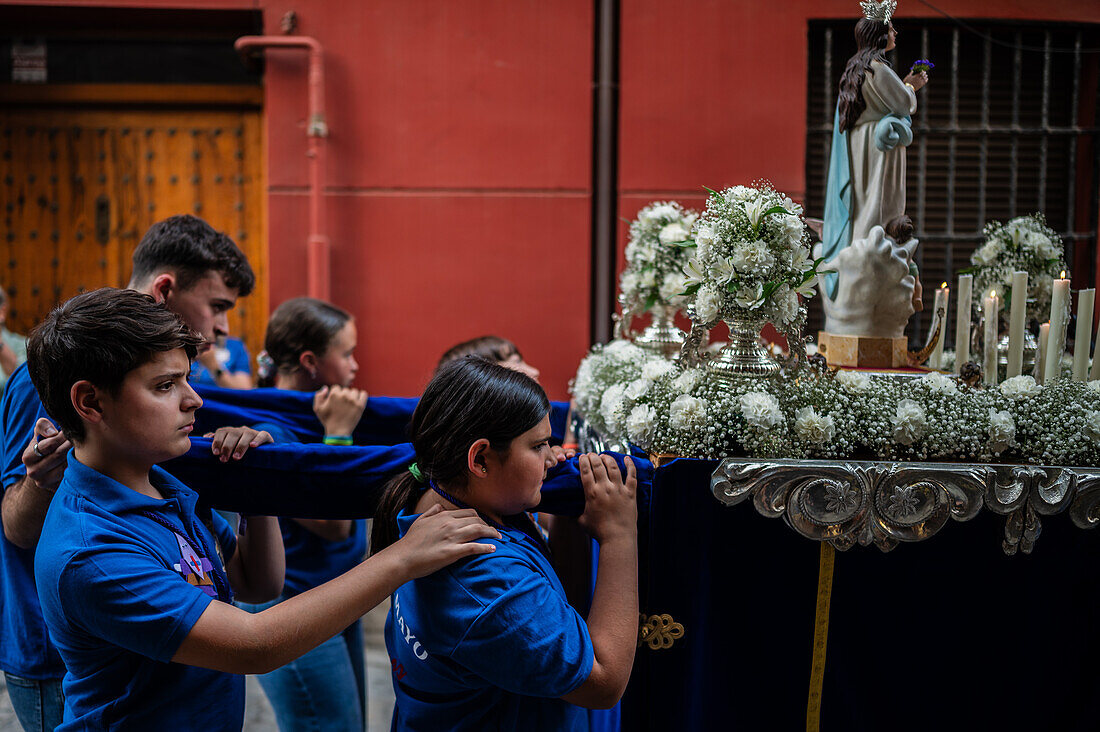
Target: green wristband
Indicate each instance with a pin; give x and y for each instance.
(338, 440)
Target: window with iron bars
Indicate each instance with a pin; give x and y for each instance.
(1007, 126)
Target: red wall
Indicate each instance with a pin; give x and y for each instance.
(460, 151)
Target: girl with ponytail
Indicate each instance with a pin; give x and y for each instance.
(491, 642)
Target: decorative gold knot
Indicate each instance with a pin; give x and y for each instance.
(659, 631)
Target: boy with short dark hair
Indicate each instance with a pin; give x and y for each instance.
(199, 274)
(135, 589)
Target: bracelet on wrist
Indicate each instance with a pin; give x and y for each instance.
(344, 440)
(911, 87)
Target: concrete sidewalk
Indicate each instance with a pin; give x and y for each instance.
(258, 716)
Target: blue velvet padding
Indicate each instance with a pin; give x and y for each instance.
(338, 482)
(385, 420)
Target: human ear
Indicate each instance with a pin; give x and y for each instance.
(476, 458)
(308, 361)
(85, 399)
(162, 286)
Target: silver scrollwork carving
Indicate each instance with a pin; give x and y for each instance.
(883, 503)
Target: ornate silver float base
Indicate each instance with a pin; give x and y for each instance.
(662, 336)
(743, 356)
(881, 503)
(1031, 345)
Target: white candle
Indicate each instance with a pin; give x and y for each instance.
(1040, 355)
(990, 306)
(1017, 314)
(943, 297)
(1056, 342)
(1094, 373)
(962, 322)
(1085, 301)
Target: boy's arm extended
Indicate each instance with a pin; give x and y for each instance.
(257, 569)
(226, 638)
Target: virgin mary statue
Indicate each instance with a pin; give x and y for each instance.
(872, 127)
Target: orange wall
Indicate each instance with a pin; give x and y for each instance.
(460, 151)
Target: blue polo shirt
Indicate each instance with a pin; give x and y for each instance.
(25, 647)
(488, 643)
(123, 578)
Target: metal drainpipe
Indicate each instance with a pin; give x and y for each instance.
(317, 245)
(605, 159)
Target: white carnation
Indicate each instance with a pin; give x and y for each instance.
(638, 388)
(629, 282)
(609, 406)
(640, 424)
(1094, 385)
(686, 382)
(648, 278)
(761, 409)
(753, 257)
(673, 285)
(938, 383)
(909, 422)
(792, 229)
(1002, 430)
(707, 303)
(662, 211)
(853, 381)
(704, 235)
(813, 427)
(1019, 387)
(656, 368)
(674, 232)
(621, 349)
(786, 304)
(1092, 426)
(687, 413)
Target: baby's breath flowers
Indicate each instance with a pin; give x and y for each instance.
(630, 395)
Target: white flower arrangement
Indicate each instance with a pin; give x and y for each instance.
(659, 247)
(752, 255)
(1024, 244)
(836, 415)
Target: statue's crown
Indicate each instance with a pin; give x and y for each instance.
(879, 11)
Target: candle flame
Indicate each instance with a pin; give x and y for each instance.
(1063, 275)
(993, 293)
(943, 286)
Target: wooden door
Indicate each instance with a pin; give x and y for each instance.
(81, 184)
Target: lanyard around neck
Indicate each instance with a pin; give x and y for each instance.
(221, 582)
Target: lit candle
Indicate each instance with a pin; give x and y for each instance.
(990, 306)
(943, 296)
(962, 322)
(1085, 302)
(1040, 355)
(1056, 342)
(1017, 314)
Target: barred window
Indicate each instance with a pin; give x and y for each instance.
(1007, 126)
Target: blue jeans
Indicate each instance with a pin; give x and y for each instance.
(39, 705)
(323, 690)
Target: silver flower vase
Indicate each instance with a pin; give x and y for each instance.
(743, 355)
(661, 336)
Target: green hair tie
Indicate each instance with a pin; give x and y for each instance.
(415, 470)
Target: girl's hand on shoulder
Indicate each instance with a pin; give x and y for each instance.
(610, 500)
(439, 538)
(339, 408)
(233, 442)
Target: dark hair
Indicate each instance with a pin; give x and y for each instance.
(900, 229)
(490, 347)
(299, 325)
(99, 336)
(190, 247)
(871, 39)
(467, 400)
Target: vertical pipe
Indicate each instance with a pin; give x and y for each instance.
(1013, 158)
(915, 324)
(604, 169)
(983, 141)
(1074, 121)
(952, 147)
(1044, 139)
